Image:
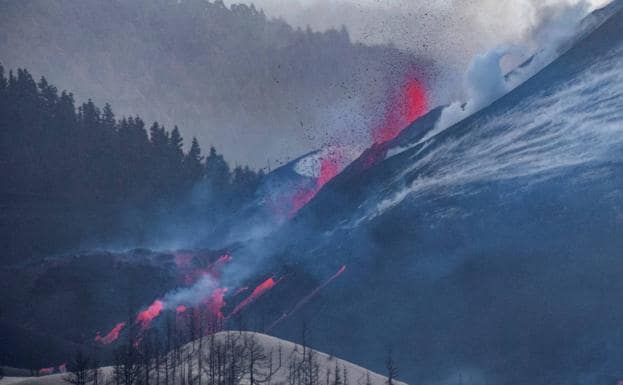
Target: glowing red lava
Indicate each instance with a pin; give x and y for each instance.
(410, 103)
(213, 270)
(180, 309)
(216, 302)
(146, 316)
(46, 371)
(223, 259)
(405, 107)
(257, 292)
(112, 336)
(308, 297)
(329, 168)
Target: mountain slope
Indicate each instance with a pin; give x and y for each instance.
(489, 250)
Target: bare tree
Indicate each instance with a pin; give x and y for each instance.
(390, 366)
(145, 356)
(95, 373)
(337, 379)
(303, 368)
(126, 368)
(260, 366)
(223, 360)
(79, 370)
(168, 345)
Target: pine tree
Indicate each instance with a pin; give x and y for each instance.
(217, 171)
(192, 162)
(3, 80)
(176, 143)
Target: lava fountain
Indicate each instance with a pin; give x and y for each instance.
(404, 108)
(407, 105)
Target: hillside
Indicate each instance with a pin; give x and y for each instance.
(292, 355)
(489, 249)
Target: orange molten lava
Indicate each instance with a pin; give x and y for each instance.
(257, 292)
(112, 336)
(329, 168)
(146, 316)
(180, 309)
(410, 104)
(308, 297)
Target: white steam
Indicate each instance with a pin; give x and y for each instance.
(572, 123)
(191, 296)
(484, 82)
(486, 78)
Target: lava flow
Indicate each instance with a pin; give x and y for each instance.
(257, 292)
(329, 168)
(112, 336)
(308, 297)
(146, 316)
(213, 301)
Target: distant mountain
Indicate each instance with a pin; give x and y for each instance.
(232, 77)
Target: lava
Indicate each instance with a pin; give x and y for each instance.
(112, 336)
(216, 302)
(213, 270)
(257, 292)
(180, 309)
(308, 297)
(146, 316)
(410, 103)
(182, 260)
(330, 166)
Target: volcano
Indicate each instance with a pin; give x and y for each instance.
(491, 249)
(486, 252)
